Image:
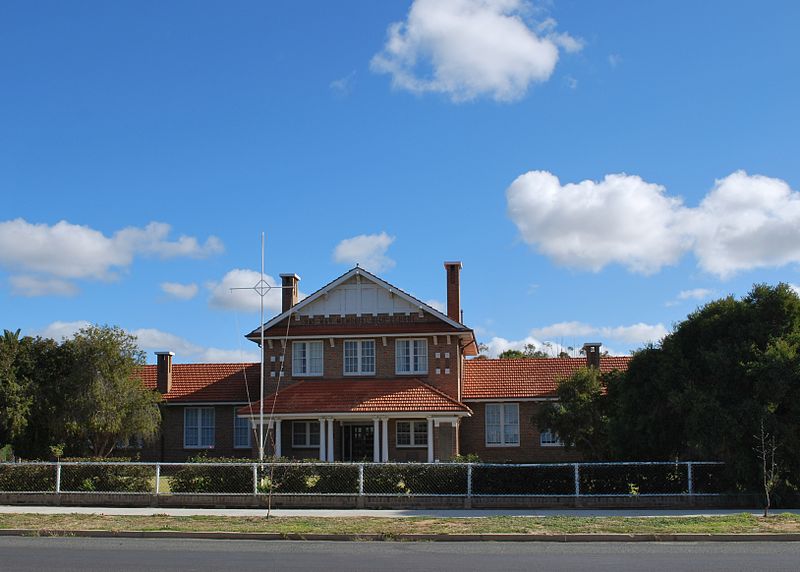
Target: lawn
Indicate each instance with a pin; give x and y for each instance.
(388, 527)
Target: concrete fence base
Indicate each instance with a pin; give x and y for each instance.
(376, 502)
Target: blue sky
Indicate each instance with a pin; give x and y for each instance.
(601, 169)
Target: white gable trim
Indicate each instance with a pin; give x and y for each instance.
(357, 271)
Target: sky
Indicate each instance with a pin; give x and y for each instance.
(600, 168)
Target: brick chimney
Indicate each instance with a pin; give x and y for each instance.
(164, 372)
(289, 290)
(592, 351)
(453, 270)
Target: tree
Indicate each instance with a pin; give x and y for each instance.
(580, 416)
(15, 402)
(108, 401)
(528, 352)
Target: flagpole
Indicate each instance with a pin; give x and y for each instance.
(261, 384)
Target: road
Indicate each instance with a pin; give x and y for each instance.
(121, 555)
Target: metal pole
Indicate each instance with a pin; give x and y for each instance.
(577, 481)
(361, 479)
(469, 479)
(689, 477)
(261, 381)
(158, 477)
(255, 479)
(58, 477)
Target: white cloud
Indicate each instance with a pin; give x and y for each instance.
(471, 48)
(614, 60)
(366, 250)
(638, 333)
(180, 291)
(223, 297)
(343, 86)
(591, 224)
(70, 251)
(694, 294)
(437, 305)
(796, 288)
(744, 222)
(32, 286)
(59, 330)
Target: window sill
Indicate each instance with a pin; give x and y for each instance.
(305, 446)
(552, 445)
(499, 445)
(411, 373)
(198, 448)
(411, 446)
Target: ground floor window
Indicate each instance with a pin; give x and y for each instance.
(305, 434)
(502, 424)
(411, 433)
(549, 439)
(242, 432)
(198, 428)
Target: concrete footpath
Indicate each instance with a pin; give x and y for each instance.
(389, 513)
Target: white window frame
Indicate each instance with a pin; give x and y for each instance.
(412, 346)
(306, 432)
(412, 433)
(359, 357)
(502, 407)
(549, 439)
(248, 432)
(296, 371)
(198, 429)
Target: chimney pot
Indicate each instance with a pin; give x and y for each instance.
(592, 351)
(453, 290)
(164, 372)
(289, 291)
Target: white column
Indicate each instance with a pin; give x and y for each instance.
(385, 440)
(278, 424)
(330, 440)
(430, 440)
(322, 440)
(376, 444)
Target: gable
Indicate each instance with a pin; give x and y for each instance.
(356, 296)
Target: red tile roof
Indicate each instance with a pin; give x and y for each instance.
(508, 378)
(210, 382)
(358, 396)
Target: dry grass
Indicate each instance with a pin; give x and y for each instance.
(736, 524)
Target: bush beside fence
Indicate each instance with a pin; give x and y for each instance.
(234, 477)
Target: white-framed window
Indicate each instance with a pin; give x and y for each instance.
(242, 432)
(359, 357)
(305, 434)
(549, 439)
(306, 358)
(198, 428)
(502, 424)
(411, 356)
(411, 433)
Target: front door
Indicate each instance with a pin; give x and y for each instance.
(357, 442)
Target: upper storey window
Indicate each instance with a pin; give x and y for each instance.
(411, 356)
(306, 358)
(359, 357)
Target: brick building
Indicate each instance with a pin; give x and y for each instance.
(361, 370)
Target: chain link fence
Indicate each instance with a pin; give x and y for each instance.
(367, 479)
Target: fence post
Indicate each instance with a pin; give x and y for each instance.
(577, 480)
(158, 478)
(361, 479)
(58, 477)
(255, 479)
(690, 477)
(469, 480)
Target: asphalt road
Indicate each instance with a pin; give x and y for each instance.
(119, 555)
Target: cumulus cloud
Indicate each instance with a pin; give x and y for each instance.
(222, 297)
(693, 294)
(471, 48)
(151, 340)
(180, 291)
(366, 250)
(744, 222)
(343, 86)
(33, 286)
(70, 251)
(638, 333)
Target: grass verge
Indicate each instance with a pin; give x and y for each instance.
(728, 524)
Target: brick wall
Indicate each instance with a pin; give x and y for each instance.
(472, 433)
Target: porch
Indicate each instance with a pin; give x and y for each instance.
(349, 438)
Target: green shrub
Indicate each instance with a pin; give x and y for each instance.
(514, 480)
(211, 479)
(633, 479)
(15, 477)
(103, 476)
(407, 479)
